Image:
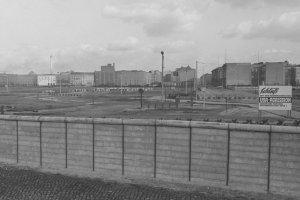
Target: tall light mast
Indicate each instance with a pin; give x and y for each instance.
(162, 75)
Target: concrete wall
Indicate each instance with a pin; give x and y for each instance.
(249, 157)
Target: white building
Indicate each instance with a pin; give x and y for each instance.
(46, 80)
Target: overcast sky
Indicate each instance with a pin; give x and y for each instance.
(82, 35)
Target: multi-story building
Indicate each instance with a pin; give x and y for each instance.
(4, 79)
(46, 80)
(82, 78)
(257, 74)
(133, 78)
(63, 78)
(274, 73)
(107, 76)
(205, 80)
(184, 73)
(236, 74)
(297, 75)
(22, 79)
(217, 76)
(155, 77)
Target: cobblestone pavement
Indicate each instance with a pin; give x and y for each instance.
(20, 183)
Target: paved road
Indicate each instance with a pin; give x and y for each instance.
(17, 183)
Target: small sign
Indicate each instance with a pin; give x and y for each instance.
(275, 97)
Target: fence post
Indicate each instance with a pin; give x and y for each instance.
(41, 150)
(155, 139)
(93, 146)
(66, 143)
(228, 155)
(190, 150)
(123, 146)
(269, 159)
(17, 126)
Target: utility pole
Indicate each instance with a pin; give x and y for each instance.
(162, 75)
(196, 81)
(203, 86)
(186, 82)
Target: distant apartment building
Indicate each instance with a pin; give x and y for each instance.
(133, 78)
(4, 79)
(22, 80)
(257, 74)
(46, 80)
(217, 77)
(63, 78)
(184, 73)
(273, 73)
(236, 74)
(82, 78)
(297, 75)
(155, 77)
(107, 76)
(205, 80)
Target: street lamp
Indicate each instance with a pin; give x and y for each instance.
(162, 75)
(186, 82)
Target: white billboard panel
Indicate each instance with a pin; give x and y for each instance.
(275, 97)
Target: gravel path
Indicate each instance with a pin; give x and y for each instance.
(19, 183)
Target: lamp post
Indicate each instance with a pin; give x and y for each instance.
(186, 82)
(162, 75)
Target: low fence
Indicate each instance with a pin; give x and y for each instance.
(260, 158)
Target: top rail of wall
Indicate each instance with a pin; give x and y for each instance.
(153, 122)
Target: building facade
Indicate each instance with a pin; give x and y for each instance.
(46, 80)
(22, 80)
(82, 78)
(274, 73)
(107, 76)
(184, 73)
(155, 77)
(236, 74)
(217, 77)
(297, 75)
(205, 80)
(133, 78)
(63, 78)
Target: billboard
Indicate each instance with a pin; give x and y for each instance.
(275, 97)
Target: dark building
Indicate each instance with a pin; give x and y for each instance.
(217, 77)
(205, 80)
(236, 74)
(107, 76)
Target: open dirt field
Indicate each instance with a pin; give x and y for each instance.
(34, 102)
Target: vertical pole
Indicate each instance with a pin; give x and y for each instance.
(162, 75)
(93, 146)
(17, 125)
(269, 159)
(186, 82)
(66, 143)
(155, 140)
(190, 152)
(196, 89)
(228, 155)
(41, 152)
(123, 147)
